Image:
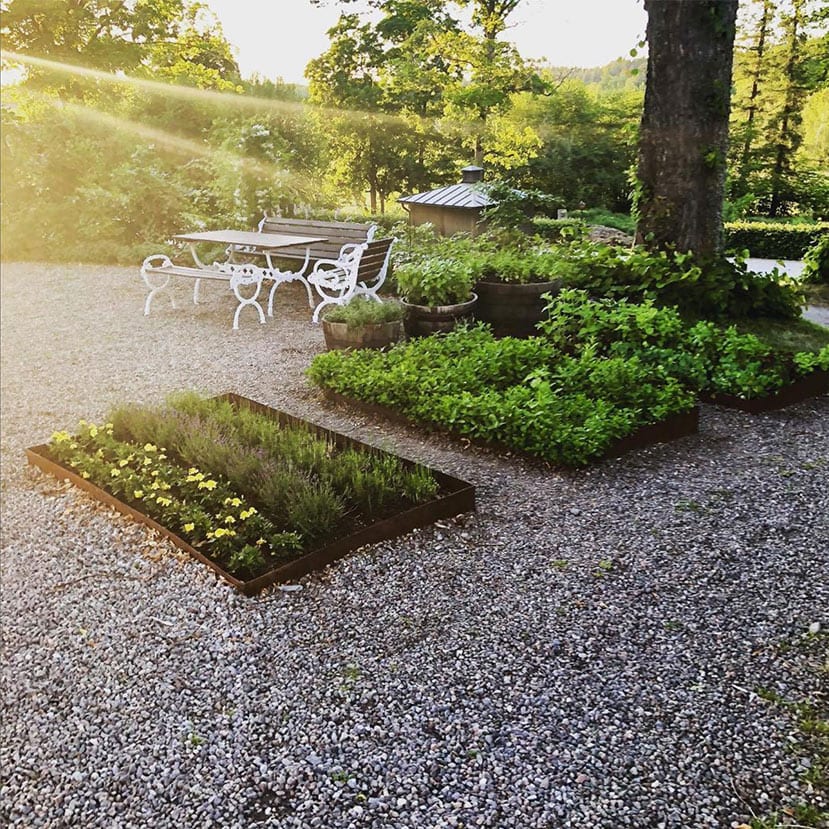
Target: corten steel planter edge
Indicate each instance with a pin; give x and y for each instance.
(811, 385)
(663, 431)
(459, 497)
(37, 456)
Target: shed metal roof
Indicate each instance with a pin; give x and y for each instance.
(455, 195)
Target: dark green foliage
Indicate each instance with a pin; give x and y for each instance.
(516, 207)
(714, 289)
(817, 261)
(554, 230)
(772, 240)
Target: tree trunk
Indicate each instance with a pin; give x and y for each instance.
(684, 134)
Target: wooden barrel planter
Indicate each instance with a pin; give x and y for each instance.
(424, 320)
(511, 309)
(339, 337)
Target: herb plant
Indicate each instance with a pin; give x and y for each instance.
(362, 311)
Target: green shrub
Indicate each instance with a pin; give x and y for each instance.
(714, 290)
(597, 216)
(704, 357)
(817, 261)
(363, 311)
(553, 230)
(773, 241)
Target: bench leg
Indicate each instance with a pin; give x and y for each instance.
(236, 283)
(155, 288)
(196, 292)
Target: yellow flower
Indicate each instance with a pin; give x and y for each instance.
(230, 520)
(233, 502)
(123, 462)
(84, 474)
(165, 502)
(60, 437)
(138, 493)
(73, 445)
(207, 484)
(246, 513)
(93, 431)
(115, 473)
(150, 447)
(188, 528)
(260, 542)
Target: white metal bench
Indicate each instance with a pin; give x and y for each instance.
(157, 270)
(359, 269)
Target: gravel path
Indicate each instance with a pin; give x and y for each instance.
(585, 651)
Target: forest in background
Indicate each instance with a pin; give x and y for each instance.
(132, 122)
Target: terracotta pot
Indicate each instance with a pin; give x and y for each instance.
(338, 336)
(423, 320)
(513, 310)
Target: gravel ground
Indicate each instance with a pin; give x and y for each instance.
(585, 651)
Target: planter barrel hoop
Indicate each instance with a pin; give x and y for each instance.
(423, 320)
(338, 336)
(512, 309)
(457, 497)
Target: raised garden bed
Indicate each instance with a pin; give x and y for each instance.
(672, 428)
(454, 496)
(812, 385)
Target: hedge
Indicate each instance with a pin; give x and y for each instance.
(773, 241)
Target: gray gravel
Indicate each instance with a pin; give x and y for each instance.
(585, 651)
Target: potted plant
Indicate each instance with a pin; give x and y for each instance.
(510, 288)
(437, 293)
(362, 323)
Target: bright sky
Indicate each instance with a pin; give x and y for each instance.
(278, 38)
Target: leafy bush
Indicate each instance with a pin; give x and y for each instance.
(516, 208)
(362, 311)
(554, 230)
(700, 289)
(513, 265)
(597, 216)
(772, 240)
(817, 261)
(704, 357)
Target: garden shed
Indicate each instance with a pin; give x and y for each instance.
(453, 209)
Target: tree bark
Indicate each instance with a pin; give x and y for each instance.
(684, 132)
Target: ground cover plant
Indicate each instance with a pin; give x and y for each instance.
(600, 370)
(521, 393)
(238, 487)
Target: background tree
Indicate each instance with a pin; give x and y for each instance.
(684, 131)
